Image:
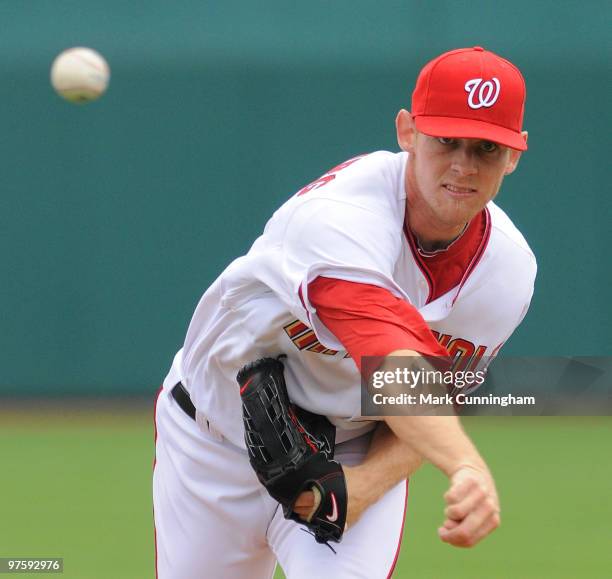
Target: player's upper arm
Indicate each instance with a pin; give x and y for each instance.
(350, 240)
(368, 320)
(343, 241)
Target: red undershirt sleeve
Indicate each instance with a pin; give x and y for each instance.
(369, 320)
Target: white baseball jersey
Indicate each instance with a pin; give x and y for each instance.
(349, 225)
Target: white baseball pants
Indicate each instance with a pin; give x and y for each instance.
(214, 520)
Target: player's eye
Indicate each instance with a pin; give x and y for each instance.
(446, 140)
(488, 146)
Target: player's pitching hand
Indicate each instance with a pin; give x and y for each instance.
(472, 510)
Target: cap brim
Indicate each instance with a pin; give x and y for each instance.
(470, 129)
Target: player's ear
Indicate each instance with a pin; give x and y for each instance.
(406, 131)
(514, 157)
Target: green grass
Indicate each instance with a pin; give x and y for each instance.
(554, 478)
(77, 485)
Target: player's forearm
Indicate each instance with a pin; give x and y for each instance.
(388, 461)
(439, 439)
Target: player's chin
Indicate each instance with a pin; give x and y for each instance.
(458, 214)
(463, 209)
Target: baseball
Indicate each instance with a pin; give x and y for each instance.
(80, 74)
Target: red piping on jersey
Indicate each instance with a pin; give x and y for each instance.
(304, 304)
(154, 463)
(419, 260)
(479, 253)
(399, 543)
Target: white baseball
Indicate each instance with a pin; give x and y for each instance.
(80, 74)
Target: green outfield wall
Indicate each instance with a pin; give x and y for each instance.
(115, 216)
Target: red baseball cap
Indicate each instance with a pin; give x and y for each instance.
(471, 93)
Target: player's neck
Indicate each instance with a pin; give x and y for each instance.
(437, 242)
(431, 233)
(432, 241)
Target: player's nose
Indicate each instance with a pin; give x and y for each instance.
(464, 161)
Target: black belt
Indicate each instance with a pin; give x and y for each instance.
(182, 398)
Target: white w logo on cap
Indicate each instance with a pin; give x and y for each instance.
(486, 92)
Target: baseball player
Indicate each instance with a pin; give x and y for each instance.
(386, 254)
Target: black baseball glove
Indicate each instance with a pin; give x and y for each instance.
(291, 449)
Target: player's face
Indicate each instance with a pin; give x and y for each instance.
(449, 180)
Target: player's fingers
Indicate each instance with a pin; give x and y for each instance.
(467, 535)
(466, 539)
(474, 527)
(305, 500)
(470, 501)
(303, 513)
(487, 528)
(450, 524)
(304, 505)
(479, 515)
(459, 490)
(307, 504)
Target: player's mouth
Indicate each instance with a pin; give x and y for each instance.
(458, 191)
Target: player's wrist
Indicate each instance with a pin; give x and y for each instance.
(362, 491)
(473, 462)
(361, 485)
(477, 466)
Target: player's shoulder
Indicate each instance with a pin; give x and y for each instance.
(364, 192)
(367, 180)
(506, 269)
(505, 229)
(509, 245)
(387, 164)
(383, 166)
